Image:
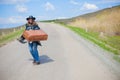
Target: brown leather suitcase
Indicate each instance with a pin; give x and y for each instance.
(35, 35)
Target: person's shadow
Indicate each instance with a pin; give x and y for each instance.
(45, 59)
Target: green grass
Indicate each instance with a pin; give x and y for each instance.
(9, 37)
(117, 58)
(109, 43)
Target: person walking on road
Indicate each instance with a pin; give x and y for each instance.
(32, 25)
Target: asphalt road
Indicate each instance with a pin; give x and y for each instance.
(64, 56)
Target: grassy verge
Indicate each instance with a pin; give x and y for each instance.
(9, 37)
(94, 37)
(108, 43)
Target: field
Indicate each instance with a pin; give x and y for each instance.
(9, 36)
(106, 21)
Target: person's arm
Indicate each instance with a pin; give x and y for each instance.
(21, 38)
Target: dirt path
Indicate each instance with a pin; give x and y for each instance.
(65, 56)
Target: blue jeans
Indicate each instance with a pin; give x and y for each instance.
(34, 51)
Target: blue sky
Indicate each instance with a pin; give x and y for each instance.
(14, 12)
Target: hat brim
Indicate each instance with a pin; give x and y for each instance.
(30, 18)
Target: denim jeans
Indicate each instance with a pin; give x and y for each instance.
(34, 51)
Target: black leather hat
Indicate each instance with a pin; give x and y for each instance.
(30, 17)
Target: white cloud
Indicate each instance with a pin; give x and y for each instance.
(49, 6)
(12, 20)
(107, 1)
(74, 2)
(111, 0)
(89, 6)
(13, 1)
(21, 8)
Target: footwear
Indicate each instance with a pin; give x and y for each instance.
(36, 63)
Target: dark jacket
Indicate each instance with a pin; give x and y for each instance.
(30, 27)
(33, 27)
